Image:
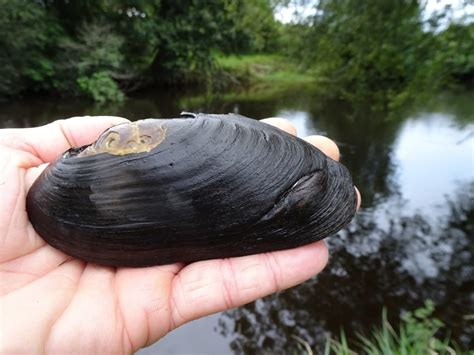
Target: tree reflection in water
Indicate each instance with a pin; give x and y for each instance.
(383, 259)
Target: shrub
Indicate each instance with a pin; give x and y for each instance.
(100, 87)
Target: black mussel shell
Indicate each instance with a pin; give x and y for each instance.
(203, 186)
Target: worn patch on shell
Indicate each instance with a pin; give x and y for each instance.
(127, 138)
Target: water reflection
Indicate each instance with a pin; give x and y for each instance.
(366, 141)
(412, 240)
(428, 153)
(396, 265)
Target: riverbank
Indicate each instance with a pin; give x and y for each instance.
(261, 69)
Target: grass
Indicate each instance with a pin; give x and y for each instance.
(416, 335)
(262, 69)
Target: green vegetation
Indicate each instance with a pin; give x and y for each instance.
(417, 334)
(383, 53)
(25, 42)
(100, 86)
(372, 50)
(456, 59)
(102, 49)
(261, 69)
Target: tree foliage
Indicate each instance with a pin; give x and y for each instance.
(90, 60)
(456, 54)
(28, 34)
(70, 46)
(370, 49)
(382, 51)
(379, 50)
(100, 87)
(253, 28)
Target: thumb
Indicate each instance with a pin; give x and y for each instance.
(49, 141)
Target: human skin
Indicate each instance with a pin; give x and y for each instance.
(53, 303)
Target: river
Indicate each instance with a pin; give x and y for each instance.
(412, 239)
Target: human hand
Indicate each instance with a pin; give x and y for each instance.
(50, 302)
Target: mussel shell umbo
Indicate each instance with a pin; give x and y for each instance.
(202, 186)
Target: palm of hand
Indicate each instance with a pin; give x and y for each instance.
(52, 302)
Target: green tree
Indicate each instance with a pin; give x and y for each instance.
(190, 31)
(88, 62)
(27, 41)
(98, 48)
(455, 55)
(251, 27)
(173, 40)
(371, 49)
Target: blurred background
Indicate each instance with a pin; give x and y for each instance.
(392, 82)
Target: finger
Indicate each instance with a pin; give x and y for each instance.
(211, 286)
(281, 123)
(17, 236)
(359, 197)
(21, 271)
(144, 301)
(49, 141)
(35, 307)
(326, 145)
(94, 315)
(32, 174)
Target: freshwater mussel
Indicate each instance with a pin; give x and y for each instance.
(197, 187)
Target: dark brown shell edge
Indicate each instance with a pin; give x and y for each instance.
(216, 186)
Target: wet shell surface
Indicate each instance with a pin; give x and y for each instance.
(202, 186)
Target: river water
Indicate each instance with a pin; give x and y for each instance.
(411, 241)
